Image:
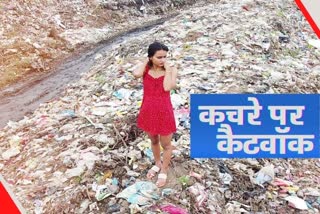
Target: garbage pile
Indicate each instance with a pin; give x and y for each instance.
(82, 152)
(36, 34)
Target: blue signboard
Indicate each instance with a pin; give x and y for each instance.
(255, 125)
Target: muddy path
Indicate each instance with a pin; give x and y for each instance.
(24, 97)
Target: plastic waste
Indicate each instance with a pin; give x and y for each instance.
(315, 43)
(172, 209)
(105, 190)
(196, 175)
(167, 191)
(123, 94)
(141, 193)
(113, 208)
(199, 192)
(265, 174)
(226, 178)
(296, 202)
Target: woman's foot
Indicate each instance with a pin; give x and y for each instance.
(162, 179)
(153, 171)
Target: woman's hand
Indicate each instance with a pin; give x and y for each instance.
(170, 76)
(140, 69)
(167, 66)
(146, 60)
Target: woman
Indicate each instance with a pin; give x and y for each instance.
(156, 115)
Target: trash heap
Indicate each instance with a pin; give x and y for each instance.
(82, 152)
(36, 34)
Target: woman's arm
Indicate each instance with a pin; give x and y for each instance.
(138, 72)
(170, 78)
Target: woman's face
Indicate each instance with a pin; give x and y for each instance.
(159, 58)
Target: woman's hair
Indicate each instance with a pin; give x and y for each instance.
(153, 48)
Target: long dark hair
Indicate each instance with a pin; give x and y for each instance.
(153, 48)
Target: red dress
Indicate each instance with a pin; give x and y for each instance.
(156, 113)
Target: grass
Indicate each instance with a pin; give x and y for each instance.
(11, 75)
(18, 58)
(13, 67)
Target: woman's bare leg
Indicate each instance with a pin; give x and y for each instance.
(167, 152)
(155, 146)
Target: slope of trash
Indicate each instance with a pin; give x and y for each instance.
(35, 35)
(25, 96)
(82, 153)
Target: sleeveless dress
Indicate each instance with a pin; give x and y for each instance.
(156, 113)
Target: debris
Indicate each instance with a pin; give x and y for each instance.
(199, 192)
(196, 175)
(10, 153)
(114, 208)
(103, 191)
(226, 178)
(172, 209)
(314, 43)
(296, 202)
(266, 174)
(167, 191)
(141, 193)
